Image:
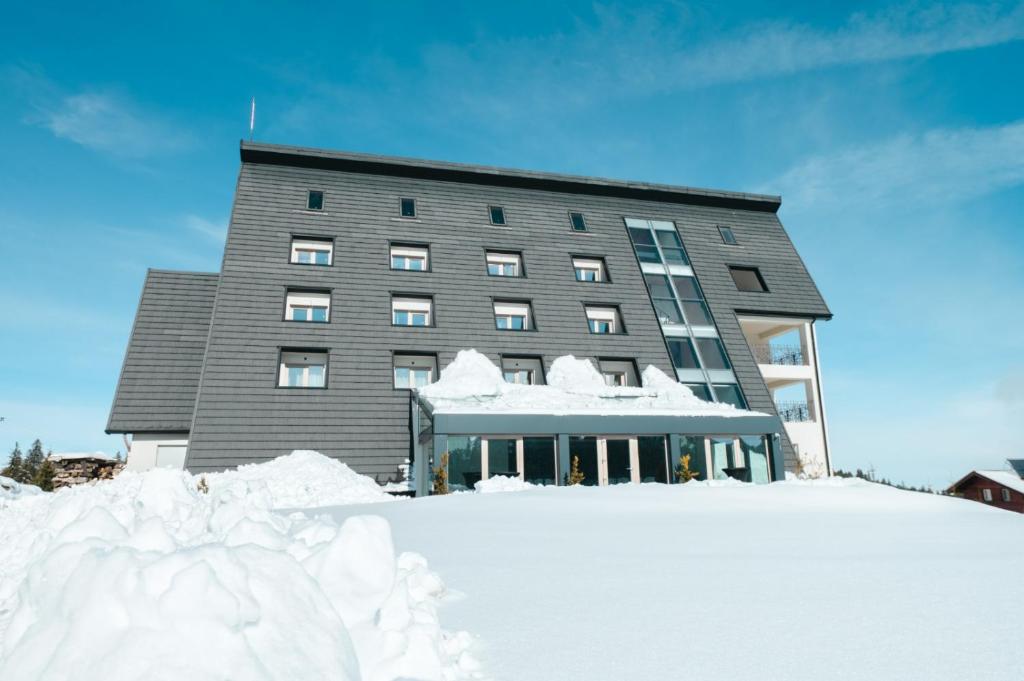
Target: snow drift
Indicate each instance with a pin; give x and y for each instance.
(147, 576)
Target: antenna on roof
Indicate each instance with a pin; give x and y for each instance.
(252, 118)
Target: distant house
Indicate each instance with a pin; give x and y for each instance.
(1002, 489)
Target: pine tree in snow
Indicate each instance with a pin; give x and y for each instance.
(43, 478)
(441, 476)
(15, 469)
(34, 461)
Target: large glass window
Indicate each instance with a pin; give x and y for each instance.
(683, 356)
(464, 462)
(730, 394)
(722, 456)
(713, 353)
(584, 449)
(501, 458)
(643, 242)
(539, 460)
(755, 452)
(672, 247)
(617, 460)
(692, 446)
(700, 390)
(653, 458)
(664, 301)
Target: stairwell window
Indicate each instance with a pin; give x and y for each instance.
(302, 369)
(577, 222)
(307, 306)
(730, 394)
(410, 258)
(412, 311)
(414, 371)
(512, 316)
(497, 214)
(589, 269)
(407, 208)
(315, 200)
(713, 353)
(604, 320)
(312, 251)
(504, 264)
(748, 279)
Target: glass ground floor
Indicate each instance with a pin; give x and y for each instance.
(604, 459)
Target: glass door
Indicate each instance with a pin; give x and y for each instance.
(653, 458)
(618, 464)
(583, 453)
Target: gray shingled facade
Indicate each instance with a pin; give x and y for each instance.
(240, 414)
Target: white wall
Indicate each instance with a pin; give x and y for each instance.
(142, 455)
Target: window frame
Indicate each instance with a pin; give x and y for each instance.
(632, 368)
(530, 323)
(490, 215)
(431, 312)
(583, 219)
(310, 239)
(748, 268)
(281, 367)
(401, 208)
(617, 322)
(397, 354)
(723, 230)
(986, 495)
(520, 263)
(298, 291)
(392, 245)
(309, 200)
(602, 263)
(1005, 495)
(531, 358)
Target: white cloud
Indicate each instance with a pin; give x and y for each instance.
(103, 120)
(944, 166)
(216, 230)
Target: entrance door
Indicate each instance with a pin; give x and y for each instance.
(618, 464)
(584, 453)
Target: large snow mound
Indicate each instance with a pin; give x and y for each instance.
(472, 383)
(148, 577)
(11, 490)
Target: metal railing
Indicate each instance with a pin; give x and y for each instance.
(791, 355)
(793, 411)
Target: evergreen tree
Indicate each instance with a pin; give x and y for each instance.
(44, 476)
(683, 471)
(34, 460)
(576, 476)
(15, 469)
(441, 476)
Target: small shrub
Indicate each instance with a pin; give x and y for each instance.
(202, 485)
(683, 471)
(441, 476)
(576, 476)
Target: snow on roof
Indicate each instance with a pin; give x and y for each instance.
(1004, 478)
(473, 384)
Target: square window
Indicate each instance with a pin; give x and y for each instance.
(410, 258)
(618, 372)
(302, 369)
(311, 251)
(411, 311)
(414, 371)
(504, 264)
(408, 208)
(307, 306)
(730, 394)
(589, 269)
(512, 316)
(672, 247)
(497, 214)
(315, 200)
(748, 279)
(986, 494)
(577, 222)
(604, 320)
(683, 356)
(713, 353)
(727, 236)
(522, 370)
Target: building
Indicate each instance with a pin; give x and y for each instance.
(349, 279)
(1002, 489)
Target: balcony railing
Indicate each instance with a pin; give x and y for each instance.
(793, 411)
(791, 355)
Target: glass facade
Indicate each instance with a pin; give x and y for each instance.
(539, 460)
(755, 453)
(464, 462)
(652, 457)
(502, 458)
(585, 448)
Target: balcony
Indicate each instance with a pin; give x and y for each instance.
(793, 412)
(779, 355)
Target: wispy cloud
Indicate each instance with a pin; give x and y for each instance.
(216, 230)
(944, 165)
(102, 119)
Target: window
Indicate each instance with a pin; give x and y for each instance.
(408, 208)
(411, 311)
(683, 356)
(303, 369)
(1006, 495)
(315, 200)
(512, 316)
(312, 251)
(727, 236)
(410, 258)
(643, 243)
(589, 269)
(748, 279)
(700, 390)
(522, 370)
(986, 494)
(604, 319)
(664, 300)
(504, 264)
(618, 372)
(414, 371)
(694, 308)
(307, 306)
(672, 247)
(730, 394)
(713, 353)
(497, 214)
(577, 222)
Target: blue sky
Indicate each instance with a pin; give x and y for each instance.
(894, 132)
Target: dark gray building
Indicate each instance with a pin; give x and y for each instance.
(349, 278)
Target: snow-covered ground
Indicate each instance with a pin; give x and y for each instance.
(265, 576)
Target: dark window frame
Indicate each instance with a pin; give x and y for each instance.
(505, 251)
(729, 240)
(307, 289)
(309, 199)
(281, 349)
(490, 215)
(604, 264)
(518, 355)
(618, 311)
(531, 317)
(750, 269)
(401, 208)
(412, 353)
(572, 224)
(410, 294)
(311, 237)
(632, 362)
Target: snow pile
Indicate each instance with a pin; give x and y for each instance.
(473, 384)
(148, 577)
(502, 483)
(11, 490)
(69, 456)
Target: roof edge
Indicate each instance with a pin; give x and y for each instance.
(322, 159)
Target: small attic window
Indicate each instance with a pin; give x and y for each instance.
(727, 236)
(577, 222)
(497, 214)
(408, 208)
(315, 200)
(748, 279)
